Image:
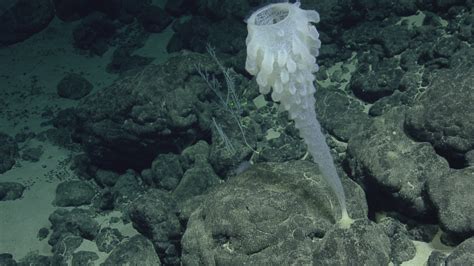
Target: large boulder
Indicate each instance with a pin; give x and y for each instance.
(135, 251)
(393, 167)
(444, 114)
(22, 18)
(158, 110)
(279, 214)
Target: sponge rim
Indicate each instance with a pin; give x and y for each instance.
(285, 6)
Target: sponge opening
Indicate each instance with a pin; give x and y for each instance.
(271, 15)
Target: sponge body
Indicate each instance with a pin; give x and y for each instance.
(282, 46)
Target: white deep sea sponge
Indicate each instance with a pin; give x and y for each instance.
(282, 46)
